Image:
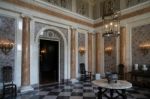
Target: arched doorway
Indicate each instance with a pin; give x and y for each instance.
(53, 35)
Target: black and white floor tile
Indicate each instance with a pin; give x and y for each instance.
(80, 90)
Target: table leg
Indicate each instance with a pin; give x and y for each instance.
(124, 95)
(111, 93)
(99, 93)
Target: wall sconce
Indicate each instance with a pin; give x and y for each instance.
(82, 51)
(108, 50)
(6, 45)
(144, 48)
(43, 51)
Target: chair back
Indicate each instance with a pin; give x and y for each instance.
(7, 74)
(120, 69)
(82, 68)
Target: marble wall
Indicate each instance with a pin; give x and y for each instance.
(81, 43)
(7, 30)
(140, 35)
(110, 59)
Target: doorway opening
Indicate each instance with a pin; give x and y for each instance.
(49, 61)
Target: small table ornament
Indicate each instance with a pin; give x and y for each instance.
(144, 68)
(135, 66)
(112, 78)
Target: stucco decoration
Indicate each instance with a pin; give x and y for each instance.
(83, 7)
(134, 2)
(140, 35)
(7, 30)
(110, 59)
(67, 4)
(39, 26)
(55, 36)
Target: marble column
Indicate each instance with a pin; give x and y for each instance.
(25, 71)
(73, 53)
(98, 58)
(90, 50)
(122, 46)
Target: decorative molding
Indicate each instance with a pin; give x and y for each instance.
(77, 20)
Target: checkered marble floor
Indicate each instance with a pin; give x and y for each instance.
(79, 90)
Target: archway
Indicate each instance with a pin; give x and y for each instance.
(54, 34)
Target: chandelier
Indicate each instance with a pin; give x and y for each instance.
(6, 45)
(111, 22)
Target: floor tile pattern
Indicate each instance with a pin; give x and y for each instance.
(79, 90)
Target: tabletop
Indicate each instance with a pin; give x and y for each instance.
(121, 84)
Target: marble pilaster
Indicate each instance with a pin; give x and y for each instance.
(98, 49)
(90, 64)
(25, 71)
(122, 46)
(73, 53)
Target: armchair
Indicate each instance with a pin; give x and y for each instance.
(85, 75)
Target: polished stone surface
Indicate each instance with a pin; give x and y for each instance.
(79, 90)
(121, 84)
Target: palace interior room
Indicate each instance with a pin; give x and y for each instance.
(63, 49)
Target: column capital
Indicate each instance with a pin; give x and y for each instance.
(73, 27)
(26, 16)
(91, 31)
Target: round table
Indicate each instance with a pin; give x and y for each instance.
(113, 87)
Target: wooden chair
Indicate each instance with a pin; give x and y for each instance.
(8, 86)
(121, 71)
(85, 75)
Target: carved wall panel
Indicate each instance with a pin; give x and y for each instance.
(82, 7)
(67, 4)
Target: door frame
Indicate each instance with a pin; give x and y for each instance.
(58, 57)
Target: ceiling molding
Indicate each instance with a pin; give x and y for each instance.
(92, 24)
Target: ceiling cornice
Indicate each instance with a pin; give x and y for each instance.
(72, 19)
(47, 11)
